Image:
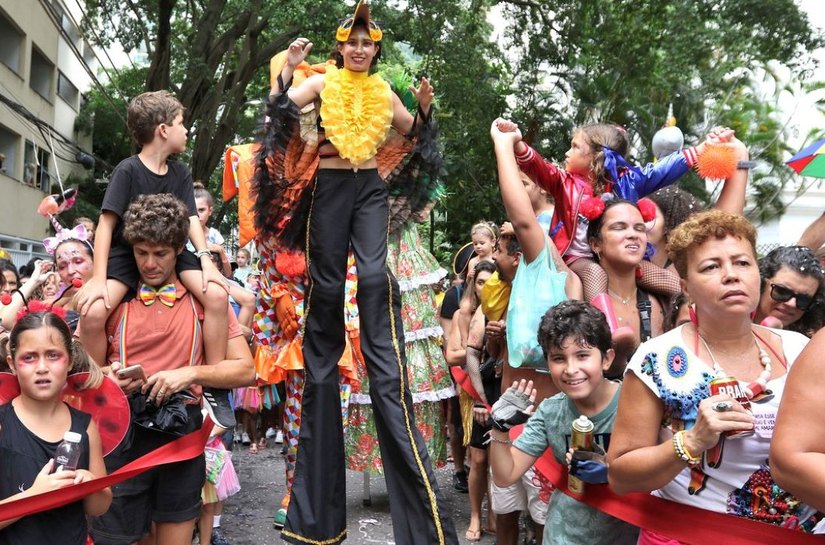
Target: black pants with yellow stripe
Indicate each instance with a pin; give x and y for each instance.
(350, 207)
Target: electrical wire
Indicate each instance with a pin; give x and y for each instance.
(50, 11)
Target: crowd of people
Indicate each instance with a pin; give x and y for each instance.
(609, 327)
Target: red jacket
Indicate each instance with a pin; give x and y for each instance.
(568, 189)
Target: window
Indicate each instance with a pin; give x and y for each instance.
(9, 142)
(41, 75)
(36, 167)
(11, 44)
(66, 90)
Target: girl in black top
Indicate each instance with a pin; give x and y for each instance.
(31, 427)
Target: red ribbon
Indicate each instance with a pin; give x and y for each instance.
(463, 379)
(677, 521)
(184, 448)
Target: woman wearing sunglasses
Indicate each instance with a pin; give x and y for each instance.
(792, 290)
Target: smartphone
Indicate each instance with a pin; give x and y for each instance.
(134, 371)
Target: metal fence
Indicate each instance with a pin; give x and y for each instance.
(21, 250)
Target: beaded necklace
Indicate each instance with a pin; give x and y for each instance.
(757, 386)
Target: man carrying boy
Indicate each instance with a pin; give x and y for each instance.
(161, 330)
(155, 121)
(576, 340)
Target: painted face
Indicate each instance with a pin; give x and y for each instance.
(580, 155)
(204, 210)
(358, 51)
(723, 276)
(41, 363)
(73, 261)
(577, 370)
(175, 134)
(156, 263)
(483, 244)
(786, 283)
(481, 279)
(623, 237)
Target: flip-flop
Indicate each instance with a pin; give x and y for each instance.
(472, 535)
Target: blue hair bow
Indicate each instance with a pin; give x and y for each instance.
(613, 160)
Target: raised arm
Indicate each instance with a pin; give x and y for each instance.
(402, 120)
(516, 201)
(310, 89)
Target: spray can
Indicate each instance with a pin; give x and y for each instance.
(67, 455)
(582, 439)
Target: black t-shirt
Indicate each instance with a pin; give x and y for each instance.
(449, 305)
(131, 178)
(23, 455)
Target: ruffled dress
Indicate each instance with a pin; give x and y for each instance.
(427, 373)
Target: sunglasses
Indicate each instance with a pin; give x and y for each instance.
(781, 294)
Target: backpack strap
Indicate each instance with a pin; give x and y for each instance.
(645, 311)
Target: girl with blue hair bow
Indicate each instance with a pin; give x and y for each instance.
(595, 167)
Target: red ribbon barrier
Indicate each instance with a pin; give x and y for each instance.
(184, 448)
(463, 379)
(678, 521)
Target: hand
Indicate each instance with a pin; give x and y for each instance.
(711, 423)
(41, 272)
(505, 131)
(514, 406)
(127, 385)
(91, 291)
(160, 386)
(507, 229)
(590, 467)
(298, 51)
(83, 475)
(210, 273)
(46, 482)
(481, 415)
(287, 318)
(424, 94)
(496, 329)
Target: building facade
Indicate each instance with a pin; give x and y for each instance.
(45, 67)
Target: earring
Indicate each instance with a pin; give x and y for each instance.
(693, 318)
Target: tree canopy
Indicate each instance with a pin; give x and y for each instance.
(549, 64)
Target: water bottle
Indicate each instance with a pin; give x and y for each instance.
(67, 455)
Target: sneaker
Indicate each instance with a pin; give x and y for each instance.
(280, 519)
(279, 437)
(245, 440)
(218, 538)
(270, 433)
(219, 408)
(460, 482)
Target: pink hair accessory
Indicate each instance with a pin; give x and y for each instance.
(78, 232)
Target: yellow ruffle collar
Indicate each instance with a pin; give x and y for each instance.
(356, 112)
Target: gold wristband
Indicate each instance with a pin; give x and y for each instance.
(682, 452)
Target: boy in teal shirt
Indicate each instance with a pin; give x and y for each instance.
(577, 344)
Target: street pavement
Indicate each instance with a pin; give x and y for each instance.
(247, 518)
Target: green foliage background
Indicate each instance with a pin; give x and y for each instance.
(549, 64)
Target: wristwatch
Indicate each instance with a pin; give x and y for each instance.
(745, 165)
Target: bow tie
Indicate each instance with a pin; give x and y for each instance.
(166, 294)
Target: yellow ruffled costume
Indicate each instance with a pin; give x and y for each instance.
(356, 112)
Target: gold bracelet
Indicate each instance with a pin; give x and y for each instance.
(682, 452)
